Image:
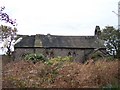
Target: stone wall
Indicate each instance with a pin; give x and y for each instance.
(21, 52)
(79, 55)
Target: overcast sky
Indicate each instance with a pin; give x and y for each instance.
(61, 17)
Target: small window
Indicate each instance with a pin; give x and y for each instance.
(47, 53)
(52, 54)
(74, 54)
(69, 53)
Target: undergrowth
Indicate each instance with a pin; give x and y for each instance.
(62, 73)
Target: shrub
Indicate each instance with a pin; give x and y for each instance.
(35, 57)
(59, 60)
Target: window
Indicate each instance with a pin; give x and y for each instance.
(69, 53)
(74, 54)
(51, 54)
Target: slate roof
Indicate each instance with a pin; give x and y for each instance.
(60, 41)
(27, 41)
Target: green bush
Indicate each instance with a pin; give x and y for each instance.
(35, 57)
(59, 60)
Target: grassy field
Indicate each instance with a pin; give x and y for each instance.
(99, 74)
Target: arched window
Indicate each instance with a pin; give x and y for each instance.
(47, 53)
(69, 53)
(74, 54)
(51, 54)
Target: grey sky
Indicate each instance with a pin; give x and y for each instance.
(61, 17)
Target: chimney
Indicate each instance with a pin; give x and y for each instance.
(97, 31)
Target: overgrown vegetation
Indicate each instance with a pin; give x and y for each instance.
(62, 73)
(35, 57)
(40, 57)
(59, 60)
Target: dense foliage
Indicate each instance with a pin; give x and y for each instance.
(112, 40)
(99, 74)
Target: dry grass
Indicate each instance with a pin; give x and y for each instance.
(68, 75)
